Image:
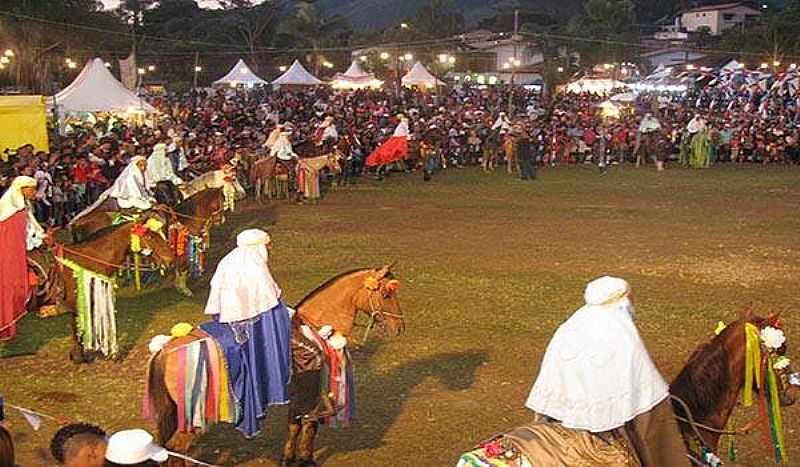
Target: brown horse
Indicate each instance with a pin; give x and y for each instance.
(336, 303)
(200, 211)
(105, 254)
(711, 381)
(710, 385)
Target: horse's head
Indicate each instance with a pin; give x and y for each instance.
(380, 301)
(152, 238)
(167, 193)
(787, 386)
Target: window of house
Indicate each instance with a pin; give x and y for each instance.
(728, 16)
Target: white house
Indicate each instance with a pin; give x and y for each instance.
(717, 18)
(671, 57)
(502, 47)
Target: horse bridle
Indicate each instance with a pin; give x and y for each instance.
(376, 310)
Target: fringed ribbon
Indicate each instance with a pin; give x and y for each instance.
(752, 366)
(774, 412)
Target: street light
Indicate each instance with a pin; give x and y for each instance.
(764, 66)
(328, 65)
(690, 67)
(384, 55)
(5, 60)
(451, 60)
(404, 25)
(560, 69)
(198, 69)
(67, 60)
(408, 56)
(151, 68)
(8, 53)
(140, 71)
(776, 63)
(442, 58)
(72, 65)
(282, 68)
(108, 64)
(363, 58)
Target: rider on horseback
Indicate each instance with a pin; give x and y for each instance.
(253, 326)
(597, 377)
(19, 233)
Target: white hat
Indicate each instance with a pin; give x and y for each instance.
(129, 447)
(252, 237)
(606, 290)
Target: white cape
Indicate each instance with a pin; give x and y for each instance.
(242, 286)
(159, 167)
(596, 374)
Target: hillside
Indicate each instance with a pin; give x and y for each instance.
(379, 14)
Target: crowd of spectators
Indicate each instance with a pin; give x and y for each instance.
(211, 127)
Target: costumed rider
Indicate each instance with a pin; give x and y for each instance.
(326, 132)
(699, 146)
(502, 124)
(281, 146)
(129, 192)
(253, 326)
(19, 233)
(597, 379)
(647, 141)
(160, 169)
(394, 149)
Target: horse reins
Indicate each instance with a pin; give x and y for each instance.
(375, 310)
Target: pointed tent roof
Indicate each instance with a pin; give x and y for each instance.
(354, 78)
(420, 76)
(297, 75)
(241, 74)
(96, 90)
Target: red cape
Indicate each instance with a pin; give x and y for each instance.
(392, 150)
(13, 273)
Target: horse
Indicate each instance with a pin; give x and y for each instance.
(104, 254)
(337, 303)
(708, 387)
(107, 214)
(308, 174)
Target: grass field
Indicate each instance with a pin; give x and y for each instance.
(490, 266)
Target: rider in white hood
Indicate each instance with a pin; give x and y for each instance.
(159, 167)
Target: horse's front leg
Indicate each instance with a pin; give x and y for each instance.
(181, 278)
(305, 451)
(290, 446)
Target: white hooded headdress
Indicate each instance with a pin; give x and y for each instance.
(242, 286)
(596, 374)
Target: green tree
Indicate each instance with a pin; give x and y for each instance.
(43, 33)
(308, 28)
(603, 33)
(439, 18)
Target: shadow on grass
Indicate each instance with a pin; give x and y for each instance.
(33, 333)
(380, 400)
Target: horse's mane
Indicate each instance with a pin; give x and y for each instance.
(327, 284)
(705, 378)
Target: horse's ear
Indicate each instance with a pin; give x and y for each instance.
(380, 273)
(774, 318)
(746, 313)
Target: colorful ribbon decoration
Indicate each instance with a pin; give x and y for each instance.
(752, 365)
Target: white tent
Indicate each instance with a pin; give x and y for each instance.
(355, 78)
(241, 75)
(96, 90)
(296, 75)
(420, 76)
(595, 85)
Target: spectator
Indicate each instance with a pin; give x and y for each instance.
(79, 445)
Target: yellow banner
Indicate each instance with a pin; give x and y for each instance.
(23, 120)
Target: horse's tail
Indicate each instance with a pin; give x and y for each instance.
(165, 411)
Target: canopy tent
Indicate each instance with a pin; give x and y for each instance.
(420, 76)
(296, 75)
(355, 78)
(96, 90)
(24, 121)
(240, 75)
(595, 85)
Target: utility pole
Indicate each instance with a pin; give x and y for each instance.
(515, 40)
(196, 69)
